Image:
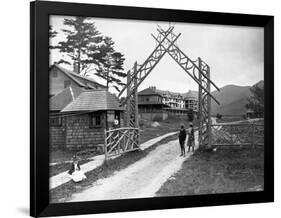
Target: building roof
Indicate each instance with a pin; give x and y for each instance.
(149, 91)
(63, 98)
(78, 78)
(93, 101)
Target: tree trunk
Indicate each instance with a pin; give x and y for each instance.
(107, 79)
(79, 61)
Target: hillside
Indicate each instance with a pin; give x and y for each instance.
(233, 99)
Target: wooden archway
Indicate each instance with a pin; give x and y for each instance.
(198, 70)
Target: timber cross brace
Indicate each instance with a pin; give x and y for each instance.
(198, 70)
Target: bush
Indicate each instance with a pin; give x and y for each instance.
(190, 115)
(219, 116)
(157, 118)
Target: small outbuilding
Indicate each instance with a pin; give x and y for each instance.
(82, 121)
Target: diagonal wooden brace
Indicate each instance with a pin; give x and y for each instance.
(194, 78)
(161, 32)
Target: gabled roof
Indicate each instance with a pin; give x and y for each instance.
(63, 98)
(149, 91)
(93, 101)
(78, 78)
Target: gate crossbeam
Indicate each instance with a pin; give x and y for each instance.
(183, 61)
(152, 63)
(181, 54)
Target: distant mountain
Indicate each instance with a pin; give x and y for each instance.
(232, 99)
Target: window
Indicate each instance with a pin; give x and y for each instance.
(55, 73)
(55, 121)
(95, 120)
(147, 99)
(67, 83)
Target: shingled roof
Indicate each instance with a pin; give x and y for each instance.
(149, 91)
(80, 80)
(63, 98)
(94, 101)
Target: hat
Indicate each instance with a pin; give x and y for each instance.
(74, 158)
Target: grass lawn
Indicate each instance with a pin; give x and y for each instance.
(222, 171)
(64, 192)
(170, 125)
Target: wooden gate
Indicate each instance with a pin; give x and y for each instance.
(121, 140)
(197, 69)
(249, 134)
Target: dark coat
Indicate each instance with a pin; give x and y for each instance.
(72, 169)
(182, 135)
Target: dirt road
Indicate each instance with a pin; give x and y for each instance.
(141, 179)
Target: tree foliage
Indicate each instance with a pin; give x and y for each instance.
(110, 67)
(219, 116)
(82, 40)
(52, 34)
(190, 115)
(91, 51)
(256, 101)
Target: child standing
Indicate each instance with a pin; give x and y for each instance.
(182, 137)
(191, 140)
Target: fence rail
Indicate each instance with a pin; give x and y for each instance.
(249, 134)
(121, 140)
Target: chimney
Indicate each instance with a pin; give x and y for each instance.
(75, 67)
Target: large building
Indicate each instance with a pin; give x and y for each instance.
(159, 104)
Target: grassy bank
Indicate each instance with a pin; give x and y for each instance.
(222, 171)
(64, 192)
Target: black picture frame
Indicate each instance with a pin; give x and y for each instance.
(39, 95)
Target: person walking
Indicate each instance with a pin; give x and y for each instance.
(191, 139)
(182, 137)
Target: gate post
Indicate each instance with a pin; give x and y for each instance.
(204, 100)
(105, 144)
(136, 96)
(128, 115)
(209, 131)
(200, 105)
(253, 135)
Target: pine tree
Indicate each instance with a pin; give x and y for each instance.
(52, 34)
(82, 40)
(111, 63)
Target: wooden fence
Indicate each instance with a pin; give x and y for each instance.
(249, 134)
(121, 140)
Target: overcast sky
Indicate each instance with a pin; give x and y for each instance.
(234, 53)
